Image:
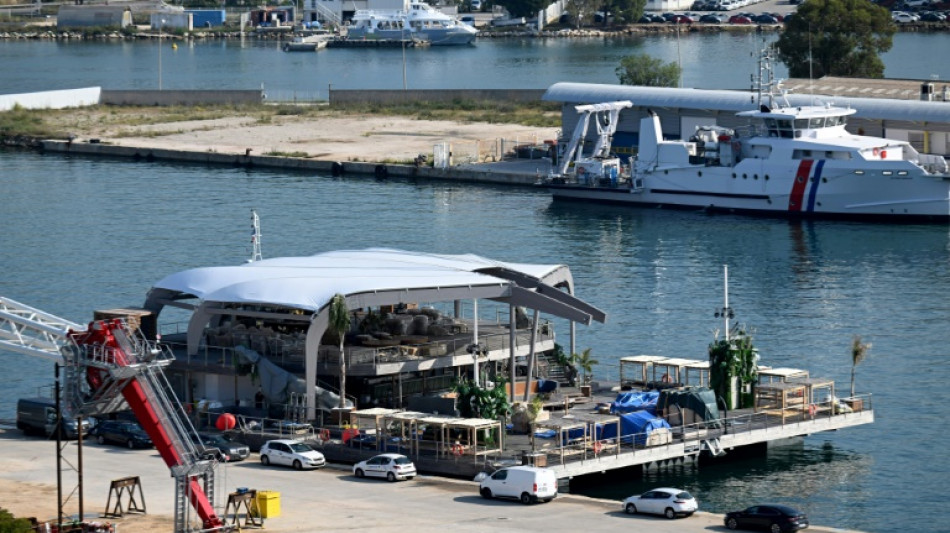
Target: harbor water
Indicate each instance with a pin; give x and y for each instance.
(83, 234)
(710, 61)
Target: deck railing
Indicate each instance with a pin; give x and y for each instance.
(289, 353)
(698, 435)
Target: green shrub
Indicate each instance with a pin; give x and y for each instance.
(12, 524)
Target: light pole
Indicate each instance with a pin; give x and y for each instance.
(160, 27)
(405, 85)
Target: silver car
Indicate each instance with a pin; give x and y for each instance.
(391, 466)
(663, 501)
(291, 453)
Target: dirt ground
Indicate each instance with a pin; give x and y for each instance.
(390, 139)
(37, 500)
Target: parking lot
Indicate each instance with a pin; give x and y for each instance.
(329, 499)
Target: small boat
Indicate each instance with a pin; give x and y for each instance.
(417, 20)
(790, 161)
(310, 43)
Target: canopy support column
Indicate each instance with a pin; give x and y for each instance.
(531, 356)
(511, 348)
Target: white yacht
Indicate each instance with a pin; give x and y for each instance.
(416, 21)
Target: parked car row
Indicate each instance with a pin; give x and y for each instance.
(722, 5)
(526, 484)
(921, 16)
(712, 18)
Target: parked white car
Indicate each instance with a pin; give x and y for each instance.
(900, 16)
(528, 484)
(291, 453)
(391, 466)
(663, 501)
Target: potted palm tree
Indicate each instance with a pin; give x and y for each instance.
(859, 351)
(586, 363)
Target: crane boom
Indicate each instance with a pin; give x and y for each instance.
(107, 366)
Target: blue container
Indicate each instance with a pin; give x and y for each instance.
(206, 18)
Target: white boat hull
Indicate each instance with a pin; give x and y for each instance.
(813, 189)
(435, 37)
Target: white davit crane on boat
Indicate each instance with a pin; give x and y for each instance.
(108, 366)
(598, 164)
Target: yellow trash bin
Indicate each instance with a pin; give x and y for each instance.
(268, 503)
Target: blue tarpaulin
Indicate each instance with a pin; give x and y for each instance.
(634, 427)
(628, 402)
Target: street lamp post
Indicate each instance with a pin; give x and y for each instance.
(160, 28)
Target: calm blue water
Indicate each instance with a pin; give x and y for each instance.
(710, 61)
(82, 234)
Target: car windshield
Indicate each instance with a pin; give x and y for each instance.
(300, 447)
(402, 461)
(684, 495)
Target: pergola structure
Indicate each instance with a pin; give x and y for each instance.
(445, 435)
(301, 288)
(772, 375)
(637, 369)
(577, 433)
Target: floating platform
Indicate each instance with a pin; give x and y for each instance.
(376, 43)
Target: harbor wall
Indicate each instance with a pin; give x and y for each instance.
(175, 97)
(382, 97)
(51, 99)
(335, 168)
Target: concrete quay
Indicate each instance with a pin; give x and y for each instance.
(521, 172)
(328, 500)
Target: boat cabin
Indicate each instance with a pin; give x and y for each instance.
(798, 122)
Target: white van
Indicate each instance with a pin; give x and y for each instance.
(526, 483)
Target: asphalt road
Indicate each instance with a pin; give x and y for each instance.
(331, 499)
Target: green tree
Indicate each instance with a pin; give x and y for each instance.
(476, 402)
(525, 8)
(730, 360)
(836, 38)
(339, 323)
(859, 350)
(586, 363)
(623, 11)
(641, 69)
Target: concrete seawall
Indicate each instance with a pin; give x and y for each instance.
(175, 97)
(493, 173)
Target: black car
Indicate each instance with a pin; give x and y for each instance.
(122, 432)
(764, 19)
(710, 19)
(227, 449)
(772, 518)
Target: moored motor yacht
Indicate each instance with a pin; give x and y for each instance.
(416, 21)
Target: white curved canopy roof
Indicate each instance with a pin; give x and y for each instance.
(310, 282)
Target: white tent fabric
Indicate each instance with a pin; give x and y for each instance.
(310, 282)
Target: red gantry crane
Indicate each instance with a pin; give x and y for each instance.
(108, 366)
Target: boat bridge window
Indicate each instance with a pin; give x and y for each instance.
(779, 128)
(821, 154)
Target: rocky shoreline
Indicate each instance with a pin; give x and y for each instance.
(626, 31)
(271, 35)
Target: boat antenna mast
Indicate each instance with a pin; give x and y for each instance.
(764, 85)
(255, 237)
